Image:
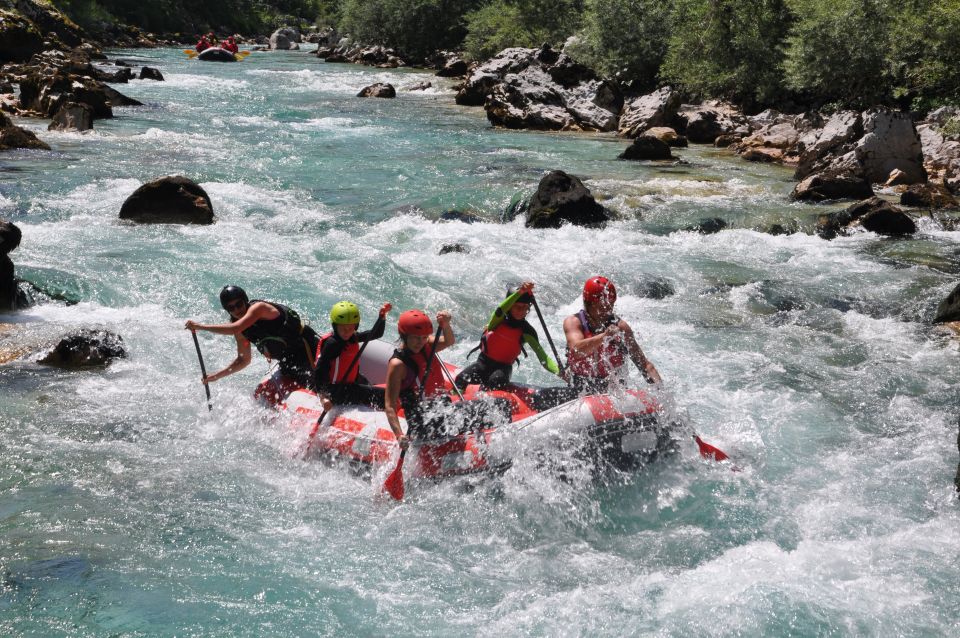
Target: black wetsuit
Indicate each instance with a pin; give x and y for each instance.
(287, 340)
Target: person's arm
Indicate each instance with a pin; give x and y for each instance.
(259, 310)
(585, 345)
(636, 354)
(238, 364)
(379, 326)
(396, 371)
(530, 338)
(447, 338)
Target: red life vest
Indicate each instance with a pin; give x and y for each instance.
(599, 363)
(503, 343)
(338, 367)
(416, 363)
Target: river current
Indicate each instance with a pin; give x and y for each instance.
(126, 508)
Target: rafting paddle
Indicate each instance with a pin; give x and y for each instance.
(563, 374)
(316, 426)
(394, 483)
(203, 369)
(191, 53)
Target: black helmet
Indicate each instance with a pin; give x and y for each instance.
(231, 293)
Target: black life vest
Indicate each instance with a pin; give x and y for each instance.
(274, 338)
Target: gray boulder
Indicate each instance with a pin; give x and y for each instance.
(648, 111)
(841, 129)
(72, 117)
(702, 124)
(285, 39)
(873, 214)
(542, 89)
(85, 349)
(169, 200)
(9, 240)
(561, 198)
(929, 195)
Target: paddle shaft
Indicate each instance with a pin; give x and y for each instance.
(543, 323)
(203, 368)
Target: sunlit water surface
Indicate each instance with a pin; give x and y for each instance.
(127, 509)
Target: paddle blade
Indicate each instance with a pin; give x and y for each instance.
(241, 54)
(708, 451)
(190, 53)
(394, 483)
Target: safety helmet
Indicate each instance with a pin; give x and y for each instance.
(231, 293)
(599, 289)
(416, 323)
(344, 312)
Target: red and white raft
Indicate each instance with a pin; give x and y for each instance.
(621, 432)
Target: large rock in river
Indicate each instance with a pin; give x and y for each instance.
(12, 136)
(19, 38)
(562, 198)
(873, 214)
(86, 349)
(72, 117)
(832, 184)
(380, 89)
(542, 89)
(285, 39)
(648, 111)
(9, 239)
(169, 200)
(646, 147)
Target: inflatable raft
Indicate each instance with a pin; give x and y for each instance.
(622, 432)
(216, 54)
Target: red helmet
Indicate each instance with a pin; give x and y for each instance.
(599, 288)
(415, 322)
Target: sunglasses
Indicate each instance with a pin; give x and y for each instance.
(234, 305)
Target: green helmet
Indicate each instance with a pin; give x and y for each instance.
(344, 312)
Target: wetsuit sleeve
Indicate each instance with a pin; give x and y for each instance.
(530, 338)
(501, 312)
(379, 327)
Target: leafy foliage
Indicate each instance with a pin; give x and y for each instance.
(520, 23)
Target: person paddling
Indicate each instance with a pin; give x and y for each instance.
(230, 44)
(275, 330)
(337, 377)
(203, 44)
(502, 342)
(597, 339)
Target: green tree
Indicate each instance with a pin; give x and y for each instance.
(628, 37)
(415, 27)
(520, 23)
(925, 53)
(730, 49)
(837, 52)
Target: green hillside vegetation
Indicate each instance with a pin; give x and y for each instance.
(757, 53)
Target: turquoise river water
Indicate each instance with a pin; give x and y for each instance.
(128, 509)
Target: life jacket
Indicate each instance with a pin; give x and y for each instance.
(230, 46)
(416, 363)
(274, 338)
(338, 367)
(202, 45)
(504, 343)
(601, 362)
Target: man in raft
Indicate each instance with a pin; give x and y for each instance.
(202, 44)
(230, 44)
(274, 329)
(502, 342)
(597, 340)
(337, 377)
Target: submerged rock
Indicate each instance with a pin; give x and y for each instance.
(707, 226)
(873, 214)
(654, 288)
(169, 200)
(85, 349)
(460, 216)
(562, 198)
(453, 248)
